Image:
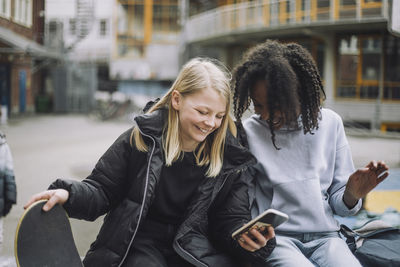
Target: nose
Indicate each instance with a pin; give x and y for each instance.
(210, 122)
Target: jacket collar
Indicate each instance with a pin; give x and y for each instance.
(152, 123)
(236, 156)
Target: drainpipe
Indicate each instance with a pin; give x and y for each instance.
(377, 120)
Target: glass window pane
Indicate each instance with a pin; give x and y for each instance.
(370, 92)
(346, 91)
(347, 67)
(348, 59)
(392, 57)
(392, 92)
(371, 53)
(103, 27)
(72, 26)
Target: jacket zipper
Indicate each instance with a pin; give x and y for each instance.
(185, 251)
(144, 198)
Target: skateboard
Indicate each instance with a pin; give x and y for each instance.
(45, 238)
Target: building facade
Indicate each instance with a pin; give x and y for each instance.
(145, 45)
(80, 30)
(21, 54)
(358, 57)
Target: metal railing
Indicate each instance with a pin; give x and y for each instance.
(277, 14)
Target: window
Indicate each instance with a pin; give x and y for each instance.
(130, 28)
(359, 70)
(103, 27)
(392, 68)
(347, 67)
(53, 27)
(23, 12)
(139, 24)
(72, 26)
(371, 54)
(371, 50)
(165, 19)
(5, 8)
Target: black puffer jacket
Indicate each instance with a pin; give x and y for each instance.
(123, 184)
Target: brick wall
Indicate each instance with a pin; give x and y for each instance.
(36, 31)
(21, 64)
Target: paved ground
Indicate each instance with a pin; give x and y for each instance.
(49, 147)
(67, 146)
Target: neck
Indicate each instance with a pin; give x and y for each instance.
(189, 147)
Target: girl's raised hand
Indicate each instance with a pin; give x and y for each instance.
(257, 241)
(57, 196)
(363, 180)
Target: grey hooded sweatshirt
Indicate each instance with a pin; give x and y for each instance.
(306, 178)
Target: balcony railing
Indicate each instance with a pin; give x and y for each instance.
(277, 14)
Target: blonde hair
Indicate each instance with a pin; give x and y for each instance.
(195, 75)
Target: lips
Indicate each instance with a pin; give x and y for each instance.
(203, 130)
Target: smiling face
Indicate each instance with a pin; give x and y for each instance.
(200, 114)
(259, 97)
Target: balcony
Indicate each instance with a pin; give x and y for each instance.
(279, 16)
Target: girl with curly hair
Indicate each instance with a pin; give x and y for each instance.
(304, 168)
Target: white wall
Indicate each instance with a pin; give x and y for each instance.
(60, 8)
(93, 47)
(160, 63)
(366, 111)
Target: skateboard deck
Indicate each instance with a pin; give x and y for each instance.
(45, 238)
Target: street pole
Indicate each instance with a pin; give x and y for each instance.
(377, 121)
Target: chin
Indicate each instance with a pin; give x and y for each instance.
(200, 138)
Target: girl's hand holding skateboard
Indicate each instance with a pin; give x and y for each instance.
(57, 196)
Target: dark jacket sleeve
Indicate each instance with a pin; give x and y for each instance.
(7, 175)
(10, 192)
(230, 212)
(104, 187)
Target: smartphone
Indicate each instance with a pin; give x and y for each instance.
(270, 217)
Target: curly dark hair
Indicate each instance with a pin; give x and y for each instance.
(293, 82)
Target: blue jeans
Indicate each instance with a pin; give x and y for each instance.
(311, 249)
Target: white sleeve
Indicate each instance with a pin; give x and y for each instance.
(344, 167)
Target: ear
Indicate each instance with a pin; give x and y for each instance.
(176, 100)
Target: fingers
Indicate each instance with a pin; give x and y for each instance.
(382, 165)
(53, 200)
(246, 246)
(382, 176)
(58, 196)
(372, 165)
(270, 234)
(258, 240)
(42, 195)
(381, 171)
(379, 166)
(247, 243)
